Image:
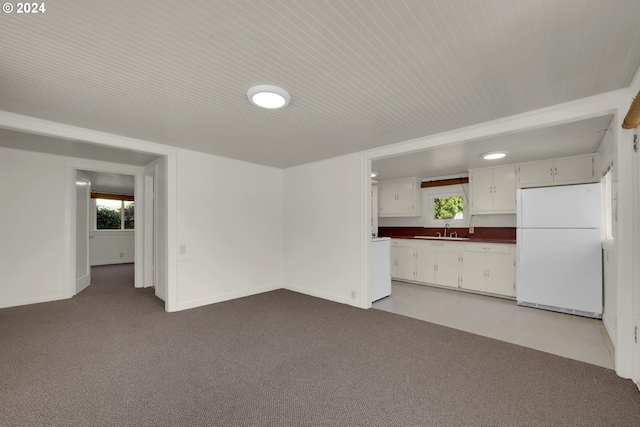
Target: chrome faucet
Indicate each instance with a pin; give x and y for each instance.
(446, 226)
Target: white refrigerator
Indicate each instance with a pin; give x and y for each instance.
(380, 268)
(559, 249)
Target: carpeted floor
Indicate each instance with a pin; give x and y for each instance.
(111, 356)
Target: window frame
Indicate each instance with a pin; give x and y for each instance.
(458, 223)
(122, 200)
(455, 190)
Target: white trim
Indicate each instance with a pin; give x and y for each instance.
(365, 241)
(611, 330)
(40, 299)
(137, 172)
(114, 262)
(22, 123)
(581, 109)
(184, 305)
(325, 295)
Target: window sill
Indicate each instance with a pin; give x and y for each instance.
(112, 232)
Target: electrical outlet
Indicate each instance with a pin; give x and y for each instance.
(353, 294)
(470, 230)
(121, 254)
(183, 249)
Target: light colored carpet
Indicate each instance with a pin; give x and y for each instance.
(111, 356)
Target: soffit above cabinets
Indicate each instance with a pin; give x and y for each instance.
(581, 137)
(361, 73)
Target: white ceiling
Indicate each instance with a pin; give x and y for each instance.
(361, 73)
(112, 183)
(580, 137)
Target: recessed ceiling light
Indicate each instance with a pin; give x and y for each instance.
(494, 155)
(373, 174)
(268, 96)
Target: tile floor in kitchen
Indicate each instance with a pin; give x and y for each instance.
(574, 337)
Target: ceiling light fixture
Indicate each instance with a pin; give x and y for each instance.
(268, 96)
(494, 155)
(373, 174)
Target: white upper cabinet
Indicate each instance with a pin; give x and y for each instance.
(567, 170)
(493, 190)
(400, 197)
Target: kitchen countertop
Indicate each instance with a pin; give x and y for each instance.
(470, 240)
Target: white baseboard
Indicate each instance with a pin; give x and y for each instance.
(185, 305)
(111, 262)
(609, 328)
(37, 300)
(331, 297)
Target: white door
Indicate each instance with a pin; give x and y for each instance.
(425, 262)
(535, 173)
(561, 268)
(574, 169)
(474, 271)
(374, 210)
(567, 206)
(448, 267)
(504, 189)
(149, 233)
(500, 274)
(482, 190)
(83, 196)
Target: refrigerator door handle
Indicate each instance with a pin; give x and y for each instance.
(519, 208)
(519, 246)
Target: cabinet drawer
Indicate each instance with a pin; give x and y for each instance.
(402, 243)
(488, 248)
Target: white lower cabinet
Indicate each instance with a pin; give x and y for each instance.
(403, 260)
(438, 263)
(488, 268)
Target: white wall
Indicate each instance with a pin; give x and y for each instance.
(607, 152)
(323, 224)
(111, 247)
(161, 261)
(229, 217)
(32, 195)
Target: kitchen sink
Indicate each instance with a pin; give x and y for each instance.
(441, 238)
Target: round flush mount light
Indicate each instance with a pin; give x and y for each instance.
(494, 155)
(268, 96)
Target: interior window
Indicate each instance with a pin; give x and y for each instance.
(114, 214)
(448, 208)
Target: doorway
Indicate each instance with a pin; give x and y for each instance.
(108, 219)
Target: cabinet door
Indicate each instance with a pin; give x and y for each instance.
(574, 169)
(448, 267)
(504, 189)
(535, 173)
(386, 197)
(500, 275)
(405, 200)
(425, 262)
(482, 190)
(402, 263)
(474, 271)
(399, 197)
